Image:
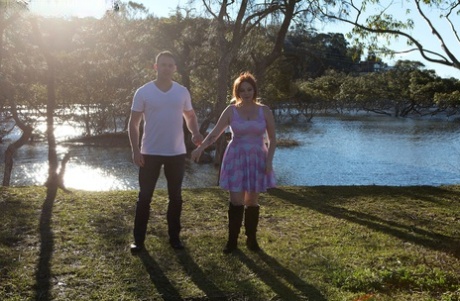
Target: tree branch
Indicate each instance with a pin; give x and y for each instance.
(450, 22)
(450, 60)
(436, 33)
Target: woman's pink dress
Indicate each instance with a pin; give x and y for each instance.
(243, 164)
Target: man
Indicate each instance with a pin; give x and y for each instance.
(162, 104)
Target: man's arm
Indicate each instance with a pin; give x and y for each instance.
(192, 124)
(133, 130)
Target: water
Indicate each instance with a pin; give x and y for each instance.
(372, 151)
(355, 150)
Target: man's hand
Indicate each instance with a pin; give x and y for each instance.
(138, 159)
(197, 139)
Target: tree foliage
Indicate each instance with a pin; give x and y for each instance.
(312, 54)
(399, 92)
(374, 21)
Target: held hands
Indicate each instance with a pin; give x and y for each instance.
(197, 139)
(196, 154)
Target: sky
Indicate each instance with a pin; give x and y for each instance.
(163, 8)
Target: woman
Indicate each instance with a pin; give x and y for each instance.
(247, 165)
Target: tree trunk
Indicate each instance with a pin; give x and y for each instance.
(53, 182)
(262, 63)
(13, 147)
(222, 86)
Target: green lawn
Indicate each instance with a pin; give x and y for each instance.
(319, 243)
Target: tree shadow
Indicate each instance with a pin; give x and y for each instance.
(43, 273)
(165, 288)
(430, 239)
(270, 276)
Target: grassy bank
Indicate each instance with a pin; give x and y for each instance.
(319, 243)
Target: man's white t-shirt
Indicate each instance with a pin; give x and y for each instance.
(163, 120)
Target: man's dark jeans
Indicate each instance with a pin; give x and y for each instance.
(174, 168)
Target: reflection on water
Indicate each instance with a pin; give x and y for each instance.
(79, 176)
(332, 151)
(96, 169)
(87, 178)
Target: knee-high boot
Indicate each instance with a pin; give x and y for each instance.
(251, 220)
(235, 219)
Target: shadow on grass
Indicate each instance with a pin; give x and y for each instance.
(43, 273)
(270, 276)
(316, 201)
(200, 278)
(159, 279)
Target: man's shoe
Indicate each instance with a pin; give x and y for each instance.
(136, 248)
(176, 244)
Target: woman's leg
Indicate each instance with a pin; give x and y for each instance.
(237, 198)
(251, 219)
(251, 199)
(235, 220)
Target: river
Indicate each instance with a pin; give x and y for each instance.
(338, 150)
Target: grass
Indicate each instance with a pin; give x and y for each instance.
(319, 243)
